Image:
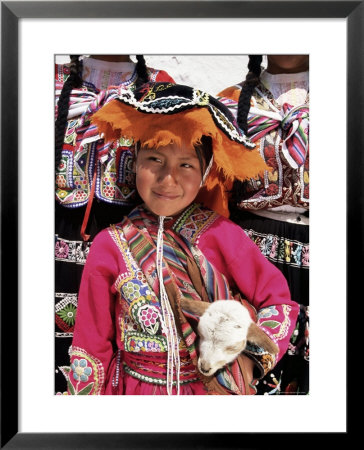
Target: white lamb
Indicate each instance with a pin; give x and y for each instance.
(224, 328)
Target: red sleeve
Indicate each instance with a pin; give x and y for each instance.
(93, 345)
(231, 251)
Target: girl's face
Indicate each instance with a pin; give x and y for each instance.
(287, 63)
(168, 179)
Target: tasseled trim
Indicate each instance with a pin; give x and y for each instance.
(185, 128)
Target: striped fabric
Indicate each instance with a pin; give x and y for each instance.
(175, 250)
(140, 230)
(295, 123)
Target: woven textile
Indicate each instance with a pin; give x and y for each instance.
(295, 125)
(176, 253)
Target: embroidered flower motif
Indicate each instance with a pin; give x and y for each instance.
(80, 370)
(81, 252)
(297, 254)
(153, 347)
(61, 181)
(273, 251)
(140, 276)
(81, 183)
(139, 346)
(68, 314)
(269, 311)
(288, 250)
(131, 290)
(148, 316)
(266, 245)
(109, 191)
(61, 249)
(305, 255)
(142, 343)
(132, 345)
(80, 195)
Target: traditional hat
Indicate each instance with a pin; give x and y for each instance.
(159, 114)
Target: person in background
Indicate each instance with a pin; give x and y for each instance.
(95, 184)
(272, 107)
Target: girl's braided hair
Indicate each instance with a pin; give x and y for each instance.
(75, 81)
(142, 71)
(251, 81)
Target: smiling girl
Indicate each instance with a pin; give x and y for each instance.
(132, 335)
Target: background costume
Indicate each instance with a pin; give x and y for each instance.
(273, 209)
(94, 187)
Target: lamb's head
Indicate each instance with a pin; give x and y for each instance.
(223, 330)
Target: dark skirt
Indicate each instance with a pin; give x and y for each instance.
(286, 245)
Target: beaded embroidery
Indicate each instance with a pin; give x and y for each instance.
(85, 368)
(71, 251)
(281, 250)
(153, 380)
(194, 221)
(65, 310)
(139, 342)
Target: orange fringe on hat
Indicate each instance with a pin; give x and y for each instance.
(232, 160)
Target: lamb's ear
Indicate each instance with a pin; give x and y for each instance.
(194, 306)
(257, 336)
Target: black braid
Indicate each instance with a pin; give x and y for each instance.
(239, 190)
(73, 81)
(142, 70)
(251, 80)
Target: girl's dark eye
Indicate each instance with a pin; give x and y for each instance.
(188, 166)
(154, 158)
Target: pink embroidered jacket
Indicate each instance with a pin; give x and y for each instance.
(114, 331)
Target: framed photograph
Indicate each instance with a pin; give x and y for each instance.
(32, 34)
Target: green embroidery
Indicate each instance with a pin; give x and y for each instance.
(270, 324)
(68, 314)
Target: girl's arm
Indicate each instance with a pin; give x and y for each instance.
(93, 345)
(232, 252)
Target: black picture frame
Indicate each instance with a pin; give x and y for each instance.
(11, 13)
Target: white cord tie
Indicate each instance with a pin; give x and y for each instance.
(169, 324)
